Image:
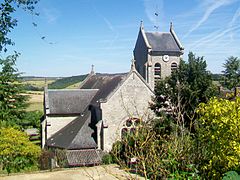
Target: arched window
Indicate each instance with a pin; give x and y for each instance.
(130, 126)
(157, 69)
(173, 66)
(157, 72)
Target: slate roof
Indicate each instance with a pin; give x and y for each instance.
(162, 41)
(69, 101)
(105, 83)
(76, 135)
(83, 157)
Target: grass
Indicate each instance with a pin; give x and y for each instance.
(35, 101)
(39, 83)
(35, 107)
(74, 86)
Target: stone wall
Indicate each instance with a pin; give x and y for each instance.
(130, 100)
(53, 124)
(165, 67)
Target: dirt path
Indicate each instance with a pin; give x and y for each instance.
(109, 172)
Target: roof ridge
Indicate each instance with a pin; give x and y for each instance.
(71, 90)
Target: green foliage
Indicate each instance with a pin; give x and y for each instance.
(45, 159)
(61, 158)
(217, 77)
(31, 119)
(107, 159)
(65, 82)
(158, 155)
(231, 175)
(8, 22)
(29, 87)
(16, 151)
(231, 73)
(12, 102)
(181, 93)
(219, 137)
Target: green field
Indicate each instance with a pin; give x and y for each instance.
(74, 86)
(35, 86)
(38, 83)
(35, 100)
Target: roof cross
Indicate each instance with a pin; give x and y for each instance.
(133, 68)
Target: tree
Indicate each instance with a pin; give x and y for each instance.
(218, 137)
(179, 94)
(7, 22)
(231, 73)
(12, 101)
(16, 151)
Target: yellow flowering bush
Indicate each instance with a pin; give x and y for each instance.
(16, 151)
(219, 136)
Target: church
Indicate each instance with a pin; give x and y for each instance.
(87, 121)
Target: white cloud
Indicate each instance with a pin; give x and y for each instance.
(210, 6)
(235, 17)
(51, 14)
(233, 21)
(213, 37)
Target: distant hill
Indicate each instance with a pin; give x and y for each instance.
(217, 77)
(66, 82)
(38, 78)
(35, 83)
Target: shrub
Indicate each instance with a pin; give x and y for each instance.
(231, 175)
(45, 159)
(16, 151)
(107, 159)
(156, 156)
(61, 158)
(218, 137)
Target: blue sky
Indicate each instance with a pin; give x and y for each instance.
(80, 33)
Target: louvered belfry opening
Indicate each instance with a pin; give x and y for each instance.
(157, 72)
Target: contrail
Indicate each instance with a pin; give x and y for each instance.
(212, 6)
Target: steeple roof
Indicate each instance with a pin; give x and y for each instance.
(162, 41)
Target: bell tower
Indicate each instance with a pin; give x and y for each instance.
(157, 54)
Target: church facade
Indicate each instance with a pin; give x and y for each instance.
(88, 120)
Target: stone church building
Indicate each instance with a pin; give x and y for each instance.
(88, 120)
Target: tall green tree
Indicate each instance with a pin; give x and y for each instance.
(12, 100)
(179, 94)
(231, 74)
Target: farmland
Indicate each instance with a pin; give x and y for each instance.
(35, 87)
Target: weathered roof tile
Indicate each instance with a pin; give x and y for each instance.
(69, 101)
(162, 41)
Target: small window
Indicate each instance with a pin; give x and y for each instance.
(173, 66)
(157, 72)
(157, 69)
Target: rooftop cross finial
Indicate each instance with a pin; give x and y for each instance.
(141, 24)
(133, 68)
(171, 25)
(92, 70)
